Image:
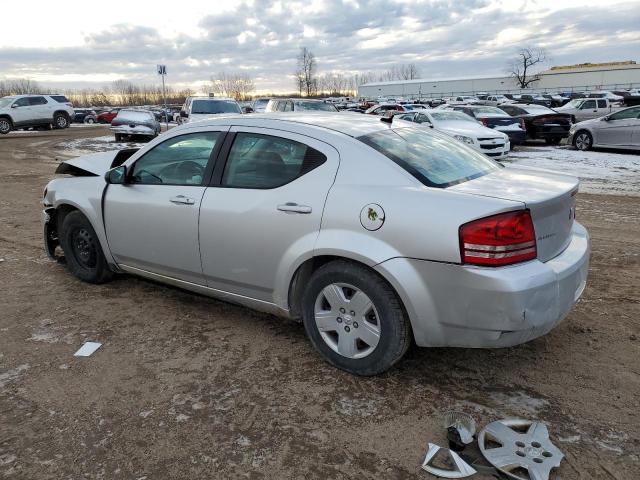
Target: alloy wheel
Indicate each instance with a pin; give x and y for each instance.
(583, 142)
(347, 320)
(61, 121)
(5, 126)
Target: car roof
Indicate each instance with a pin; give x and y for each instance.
(348, 123)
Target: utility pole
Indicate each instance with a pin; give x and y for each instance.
(162, 71)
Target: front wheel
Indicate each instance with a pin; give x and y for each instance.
(354, 319)
(82, 250)
(5, 126)
(60, 120)
(583, 141)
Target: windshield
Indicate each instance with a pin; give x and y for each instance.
(214, 106)
(261, 102)
(6, 101)
(433, 158)
(134, 116)
(445, 116)
(575, 103)
(317, 106)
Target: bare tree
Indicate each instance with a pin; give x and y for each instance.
(235, 85)
(19, 86)
(409, 71)
(521, 66)
(305, 73)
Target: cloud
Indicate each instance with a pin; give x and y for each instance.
(444, 38)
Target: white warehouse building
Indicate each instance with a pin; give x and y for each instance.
(601, 76)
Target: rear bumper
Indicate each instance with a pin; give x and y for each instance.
(516, 137)
(551, 131)
(462, 306)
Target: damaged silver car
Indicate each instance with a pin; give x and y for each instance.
(374, 234)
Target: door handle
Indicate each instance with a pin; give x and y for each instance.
(294, 208)
(182, 200)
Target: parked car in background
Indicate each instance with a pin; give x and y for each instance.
(616, 130)
(586, 108)
(199, 108)
(534, 99)
(108, 115)
(139, 123)
(497, 119)
(463, 128)
(495, 100)
(541, 122)
(259, 104)
(299, 105)
(434, 102)
(85, 115)
(414, 106)
(556, 100)
(606, 94)
(25, 111)
(383, 108)
(461, 100)
(453, 252)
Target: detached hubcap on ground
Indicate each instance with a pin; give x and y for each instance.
(347, 320)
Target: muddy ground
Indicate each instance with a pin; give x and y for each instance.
(187, 387)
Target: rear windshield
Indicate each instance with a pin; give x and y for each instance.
(433, 158)
(133, 116)
(321, 106)
(214, 106)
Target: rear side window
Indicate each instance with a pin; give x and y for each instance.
(434, 159)
(602, 104)
(263, 161)
(37, 101)
(60, 98)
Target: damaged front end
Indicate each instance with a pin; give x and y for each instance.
(51, 240)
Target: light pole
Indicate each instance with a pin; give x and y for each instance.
(162, 71)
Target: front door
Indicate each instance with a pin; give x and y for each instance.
(21, 112)
(152, 221)
(618, 130)
(264, 209)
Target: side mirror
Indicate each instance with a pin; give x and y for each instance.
(116, 176)
(607, 118)
(183, 114)
(15, 105)
(247, 110)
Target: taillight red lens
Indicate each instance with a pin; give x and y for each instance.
(522, 125)
(484, 121)
(499, 240)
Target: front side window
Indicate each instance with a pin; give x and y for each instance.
(22, 102)
(180, 160)
(434, 159)
(626, 114)
(263, 161)
(589, 104)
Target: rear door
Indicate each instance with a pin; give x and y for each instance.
(41, 110)
(264, 208)
(152, 222)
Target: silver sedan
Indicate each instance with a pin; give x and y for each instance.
(374, 234)
(616, 130)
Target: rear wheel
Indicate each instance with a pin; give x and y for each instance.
(5, 126)
(60, 120)
(82, 250)
(89, 120)
(583, 140)
(355, 319)
(118, 137)
(553, 141)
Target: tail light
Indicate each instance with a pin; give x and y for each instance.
(499, 240)
(522, 125)
(484, 121)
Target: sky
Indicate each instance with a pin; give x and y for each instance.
(78, 44)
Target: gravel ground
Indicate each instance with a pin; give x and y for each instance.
(189, 387)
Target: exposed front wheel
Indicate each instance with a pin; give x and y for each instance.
(60, 120)
(82, 250)
(583, 141)
(355, 319)
(5, 126)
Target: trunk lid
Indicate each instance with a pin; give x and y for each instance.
(549, 196)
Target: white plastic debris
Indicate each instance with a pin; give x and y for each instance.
(87, 349)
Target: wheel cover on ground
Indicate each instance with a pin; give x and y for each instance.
(583, 142)
(347, 320)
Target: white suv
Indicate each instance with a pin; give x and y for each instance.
(23, 111)
(199, 108)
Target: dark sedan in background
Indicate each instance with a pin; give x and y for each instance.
(138, 123)
(498, 119)
(85, 115)
(541, 122)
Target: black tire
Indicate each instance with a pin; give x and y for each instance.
(553, 141)
(582, 140)
(118, 137)
(83, 254)
(391, 320)
(89, 120)
(60, 120)
(5, 126)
